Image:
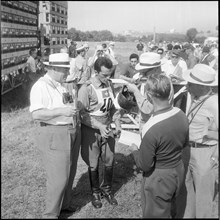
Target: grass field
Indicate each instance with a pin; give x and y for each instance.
(23, 178)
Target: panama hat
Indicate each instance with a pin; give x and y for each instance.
(201, 74)
(59, 60)
(148, 60)
(82, 47)
(85, 45)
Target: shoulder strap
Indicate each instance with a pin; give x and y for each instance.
(198, 105)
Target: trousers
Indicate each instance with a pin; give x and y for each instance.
(197, 194)
(59, 150)
(159, 189)
(93, 147)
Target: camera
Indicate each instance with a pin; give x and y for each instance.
(67, 98)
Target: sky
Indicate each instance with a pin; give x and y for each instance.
(119, 16)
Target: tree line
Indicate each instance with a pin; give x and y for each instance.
(105, 35)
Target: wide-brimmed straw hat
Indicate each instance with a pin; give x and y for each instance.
(58, 60)
(85, 45)
(148, 60)
(80, 48)
(201, 74)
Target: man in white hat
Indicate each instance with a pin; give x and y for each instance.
(86, 46)
(149, 64)
(201, 157)
(58, 134)
(81, 70)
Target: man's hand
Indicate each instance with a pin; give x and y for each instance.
(132, 87)
(69, 111)
(117, 131)
(132, 147)
(104, 131)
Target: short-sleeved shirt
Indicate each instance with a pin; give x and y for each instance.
(89, 102)
(32, 64)
(169, 68)
(128, 70)
(81, 70)
(46, 93)
(205, 118)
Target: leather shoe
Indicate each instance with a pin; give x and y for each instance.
(68, 210)
(96, 201)
(110, 198)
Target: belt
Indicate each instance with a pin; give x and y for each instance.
(199, 145)
(42, 124)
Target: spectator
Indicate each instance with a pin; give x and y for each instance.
(112, 53)
(149, 64)
(99, 52)
(97, 112)
(169, 50)
(198, 51)
(140, 47)
(111, 48)
(81, 70)
(72, 50)
(108, 52)
(176, 47)
(214, 52)
(191, 60)
(201, 157)
(164, 136)
(64, 49)
(175, 67)
(169, 46)
(86, 46)
(128, 70)
(207, 58)
(154, 49)
(58, 136)
(31, 68)
(214, 49)
(162, 55)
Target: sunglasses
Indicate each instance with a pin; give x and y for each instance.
(100, 51)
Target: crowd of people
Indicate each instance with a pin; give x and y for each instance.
(174, 90)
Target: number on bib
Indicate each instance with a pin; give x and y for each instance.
(107, 105)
